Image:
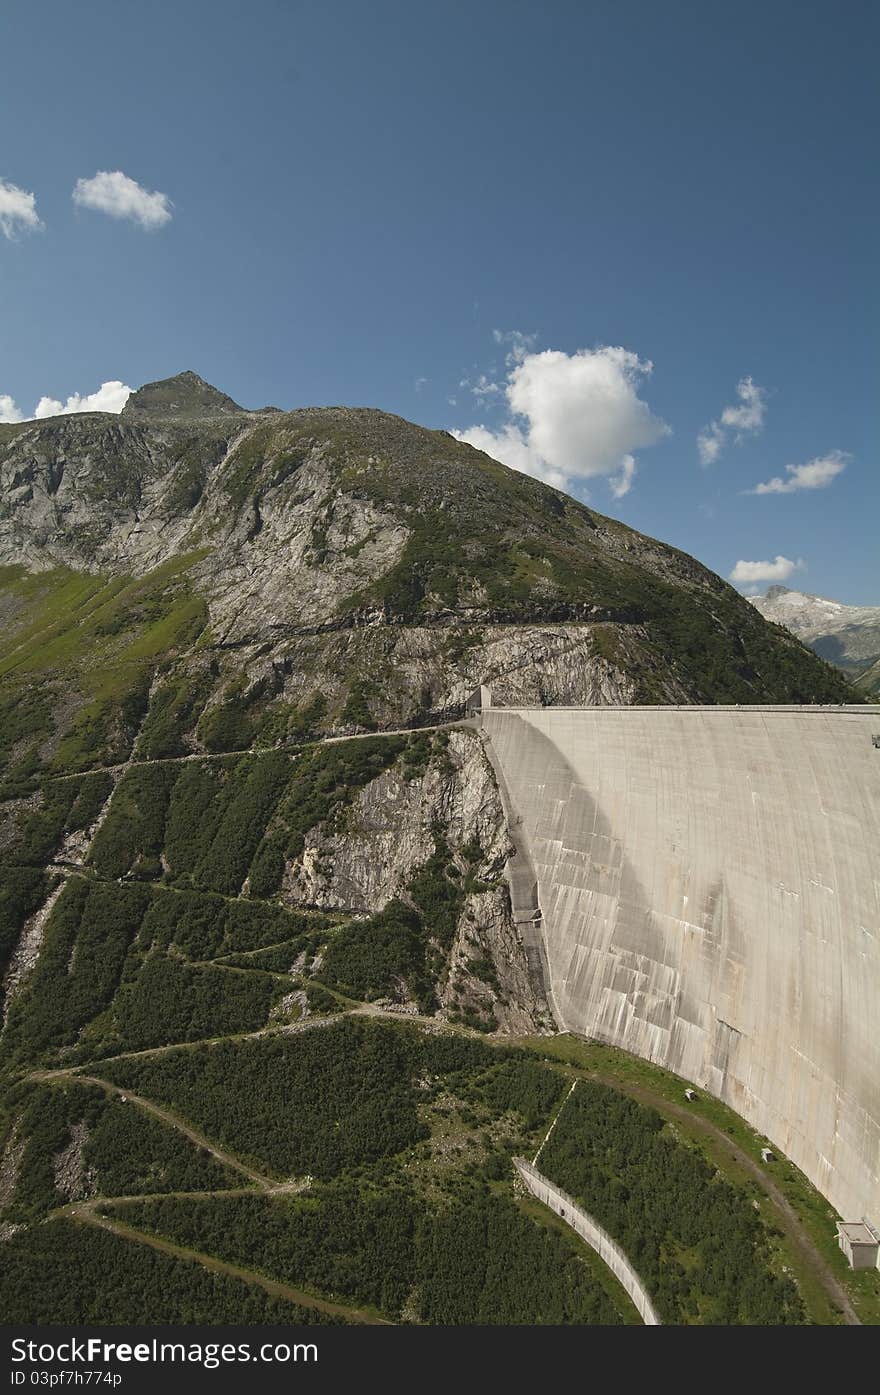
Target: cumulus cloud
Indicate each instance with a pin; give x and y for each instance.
(816, 474)
(745, 417)
(573, 417)
(18, 210)
(780, 569)
(110, 397)
(112, 192)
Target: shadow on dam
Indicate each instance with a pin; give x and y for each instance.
(709, 884)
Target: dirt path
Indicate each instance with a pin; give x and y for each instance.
(266, 1184)
(292, 746)
(85, 1211)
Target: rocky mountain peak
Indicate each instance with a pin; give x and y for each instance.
(845, 635)
(186, 395)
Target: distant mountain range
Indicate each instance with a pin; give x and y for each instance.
(846, 635)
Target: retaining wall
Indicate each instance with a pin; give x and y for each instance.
(589, 1230)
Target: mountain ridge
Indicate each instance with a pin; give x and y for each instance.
(845, 635)
(255, 574)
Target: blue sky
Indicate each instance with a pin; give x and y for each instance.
(394, 204)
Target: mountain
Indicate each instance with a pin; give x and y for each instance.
(190, 592)
(214, 577)
(185, 396)
(846, 635)
(868, 681)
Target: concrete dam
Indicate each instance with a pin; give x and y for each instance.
(708, 881)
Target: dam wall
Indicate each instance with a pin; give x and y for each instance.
(708, 881)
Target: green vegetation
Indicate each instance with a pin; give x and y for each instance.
(171, 934)
(403, 944)
(131, 837)
(22, 891)
(349, 1239)
(25, 723)
(483, 1261)
(171, 1000)
(172, 714)
(700, 1248)
(118, 1282)
(712, 1127)
(212, 824)
(323, 782)
(87, 937)
(368, 958)
(96, 639)
(122, 1151)
(475, 1260)
(320, 1102)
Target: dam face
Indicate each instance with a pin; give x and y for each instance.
(709, 882)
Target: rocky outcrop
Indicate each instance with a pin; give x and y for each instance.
(27, 950)
(389, 833)
(72, 1178)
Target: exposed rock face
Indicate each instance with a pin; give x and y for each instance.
(389, 834)
(487, 936)
(846, 635)
(10, 1166)
(27, 950)
(72, 1178)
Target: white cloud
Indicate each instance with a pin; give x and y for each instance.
(18, 210)
(780, 569)
(709, 443)
(746, 417)
(110, 397)
(519, 344)
(623, 483)
(573, 417)
(114, 193)
(485, 387)
(749, 415)
(816, 474)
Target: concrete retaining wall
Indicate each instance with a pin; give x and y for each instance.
(608, 1251)
(709, 880)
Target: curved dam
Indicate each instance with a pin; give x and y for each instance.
(709, 886)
